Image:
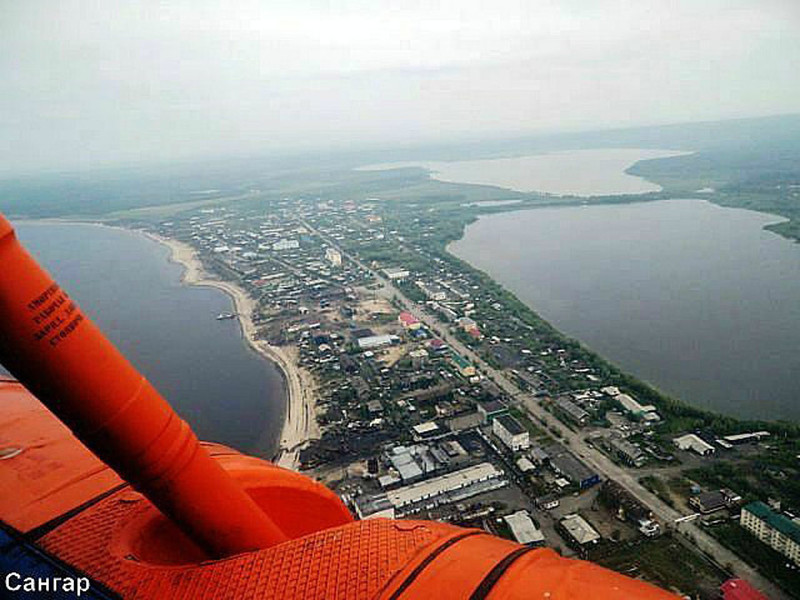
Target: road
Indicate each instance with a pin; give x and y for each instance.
(592, 457)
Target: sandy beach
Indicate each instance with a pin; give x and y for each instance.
(300, 424)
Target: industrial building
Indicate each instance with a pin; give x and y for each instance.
(451, 487)
(511, 433)
(523, 528)
(772, 528)
(746, 438)
(373, 507)
(695, 443)
(412, 462)
(564, 463)
(646, 412)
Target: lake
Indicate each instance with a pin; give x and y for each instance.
(203, 367)
(697, 299)
(570, 172)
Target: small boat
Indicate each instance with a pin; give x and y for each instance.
(225, 315)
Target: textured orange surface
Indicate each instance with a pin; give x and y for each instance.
(354, 561)
(53, 473)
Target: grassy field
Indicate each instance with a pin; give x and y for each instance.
(667, 562)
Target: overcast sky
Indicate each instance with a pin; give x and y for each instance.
(84, 83)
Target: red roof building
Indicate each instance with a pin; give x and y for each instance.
(408, 321)
(739, 589)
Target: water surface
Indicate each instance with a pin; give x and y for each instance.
(168, 330)
(574, 172)
(698, 299)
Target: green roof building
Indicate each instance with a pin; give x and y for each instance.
(772, 528)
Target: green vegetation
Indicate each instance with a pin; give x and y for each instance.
(768, 474)
(658, 487)
(665, 561)
(525, 421)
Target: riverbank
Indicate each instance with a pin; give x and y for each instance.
(300, 424)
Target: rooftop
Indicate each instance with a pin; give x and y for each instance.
(579, 529)
(510, 424)
(775, 520)
(436, 486)
(739, 589)
(523, 528)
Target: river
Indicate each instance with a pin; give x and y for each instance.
(697, 299)
(205, 369)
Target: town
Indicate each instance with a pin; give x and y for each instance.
(438, 395)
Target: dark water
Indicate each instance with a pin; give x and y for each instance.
(202, 366)
(695, 298)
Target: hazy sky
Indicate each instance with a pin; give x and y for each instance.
(83, 83)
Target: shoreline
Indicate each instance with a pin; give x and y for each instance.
(299, 423)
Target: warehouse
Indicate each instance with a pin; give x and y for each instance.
(441, 487)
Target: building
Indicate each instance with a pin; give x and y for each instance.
(375, 341)
(469, 326)
(412, 463)
(564, 463)
(426, 430)
(572, 411)
(432, 291)
(490, 409)
(523, 528)
(739, 589)
(451, 487)
(632, 406)
(333, 256)
(525, 465)
(694, 443)
(548, 502)
(772, 528)
(746, 438)
(466, 368)
(511, 433)
(396, 273)
(464, 421)
(285, 244)
(373, 507)
(631, 454)
(628, 507)
(577, 532)
(409, 321)
(710, 502)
